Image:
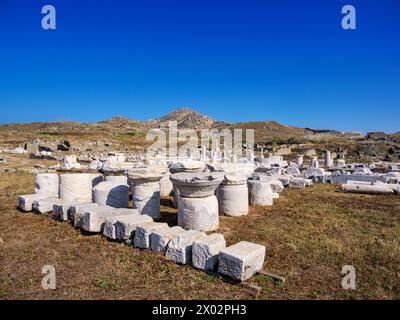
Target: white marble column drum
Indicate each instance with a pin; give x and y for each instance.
(197, 204)
(145, 186)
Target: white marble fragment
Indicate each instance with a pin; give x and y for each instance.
(159, 239)
(179, 249)
(47, 184)
(260, 193)
(145, 186)
(76, 187)
(77, 209)
(144, 231)
(60, 211)
(93, 219)
(242, 260)
(117, 179)
(205, 252)
(25, 202)
(124, 227)
(111, 193)
(369, 189)
(45, 205)
(198, 213)
(233, 199)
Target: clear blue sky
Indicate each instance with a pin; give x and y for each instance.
(288, 61)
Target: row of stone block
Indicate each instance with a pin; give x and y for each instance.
(204, 252)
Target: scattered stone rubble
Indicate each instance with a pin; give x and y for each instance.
(68, 198)
(204, 189)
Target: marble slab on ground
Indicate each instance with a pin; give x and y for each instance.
(242, 260)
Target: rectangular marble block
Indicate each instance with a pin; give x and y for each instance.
(93, 220)
(45, 205)
(76, 212)
(160, 239)
(179, 249)
(60, 211)
(25, 202)
(242, 260)
(123, 227)
(297, 183)
(205, 252)
(144, 231)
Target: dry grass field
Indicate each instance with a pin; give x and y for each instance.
(309, 234)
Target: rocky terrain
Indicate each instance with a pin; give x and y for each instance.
(128, 135)
(317, 214)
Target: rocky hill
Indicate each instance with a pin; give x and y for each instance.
(186, 118)
(125, 134)
(128, 131)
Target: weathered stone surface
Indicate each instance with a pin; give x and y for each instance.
(93, 219)
(145, 186)
(166, 185)
(362, 170)
(146, 198)
(368, 189)
(152, 173)
(45, 205)
(47, 184)
(260, 193)
(117, 179)
(343, 178)
(293, 169)
(297, 183)
(233, 199)
(113, 194)
(96, 165)
(183, 167)
(124, 227)
(198, 213)
(144, 231)
(275, 181)
(70, 162)
(79, 208)
(360, 182)
(242, 260)
(76, 187)
(160, 239)
(179, 249)
(316, 174)
(235, 173)
(60, 211)
(205, 251)
(314, 163)
(197, 185)
(186, 166)
(299, 160)
(328, 159)
(285, 179)
(273, 161)
(25, 202)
